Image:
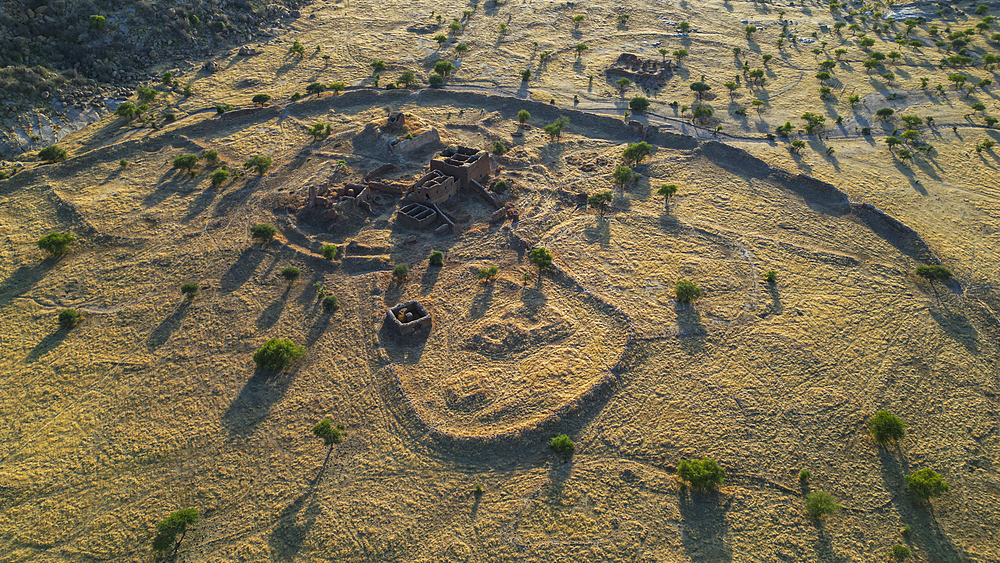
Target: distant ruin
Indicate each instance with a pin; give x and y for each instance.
(408, 317)
(647, 73)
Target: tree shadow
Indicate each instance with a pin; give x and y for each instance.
(429, 278)
(482, 303)
(254, 402)
(293, 524)
(241, 270)
(705, 527)
(533, 299)
(601, 233)
(775, 307)
(957, 326)
(691, 331)
(199, 205)
(51, 341)
(24, 279)
(159, 336)
(272, 313)
(318, 328)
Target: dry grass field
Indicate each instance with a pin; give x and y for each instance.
(153, 403)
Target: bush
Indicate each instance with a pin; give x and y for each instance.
(222, 108)
(326, 431)
(219, 177)
(337, 87)
(407, 78)
(258, 164)
(56, 244)
(168, 528)
(638, 104)
(261, 99)
(600, 201)
(186, 162)
(297, 49)
(541, 258)
(436, 258)
(900, 552)
(525, 75)
(315, 88)
(771, 276)
(926, 484)
(263, 232)
(444, 68)
(400, 273)
(69, 318)
(435, 81)
(97, 22)
(296, 96)
(53, 153)
(562, 444)
(701, 473)
(934, 273)
(636, 152)
(687, 291)
(329, 251)
(523, 116)
(291, 273)
(501, 186)
(330, 303)
(805, 475)
(277, 354)
(821, 503)
(886, 427)
(189, 290)
(145, 94)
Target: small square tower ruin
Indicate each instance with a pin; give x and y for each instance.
(465, 164)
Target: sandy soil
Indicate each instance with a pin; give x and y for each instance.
(152, 403)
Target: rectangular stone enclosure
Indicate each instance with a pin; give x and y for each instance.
(408, 317)
(464, 164)
(434, 187)
(416, 215)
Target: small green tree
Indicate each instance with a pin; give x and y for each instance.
(97, 22)
(771, 276)
(700, 88)
(69, 318)
(297, 49)
(186, 162)
(211, 157)
(926, 484)
(886, 427)
(400, 273)
(600, 201)
(821, 503)
(522, 117)
(621, 176)
(687, 291)
(900, 552)
(378, 66)
(277, 354)
(168, 529)
(291, 274)
(435, 81)
(436, 258)
(219, 177)
(329, 251)
(563, 444)
(337, 87)
(679, 55)
(56, 244)
(189, 290)
(555, 128)
(258, 164)
(263, 233)
(805, 475)
(934, 273)
(541, 258)
(261, 99)
(701, 473)
(330, 303)
(444, 68)
(667, 191)
(145, 94)
(326, 431)
(638, 104)
(53, 153)
(636, 152)
(487, 274)
(623, 84)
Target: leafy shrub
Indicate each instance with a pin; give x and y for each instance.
(435, 81)
(701, 473)
(487, 274)
(145, 94)
(525, 75)
(562, 444)
(189, 290)
(636, 152)
(378, 66)
(296, 96)
(934, 273)
(600, 201)
(407, 78)
(168, 528)
(541, 258)
(97, 22)
(900, 552)
(329, 251)
(886, 427)
(263, 232)
(771, 276)
(69, 318)
(667, 191)
(436, 258)
(222, 108)
(277, 354)
(123, 163)
(926, 484)
(821, 503)
(186, 162)
(337, 87)
(326, 431)
(297, 49)
(56, 244)
(400, 273)
(523, 116)
(258, 164)
(53, 153)
(622, 175)
(261, 99)
(501, 186)
(499, 148)
(128, 110)
(291, 273)
(315, 88)
(805, 475)
(687, 291)
(444, 68)
(330, 303)
(219, 177)
(638, 104)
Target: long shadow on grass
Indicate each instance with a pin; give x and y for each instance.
(272, 313)
(159, 336)
(241, 270)
(262, 391)
(50, 342)
(294, 523)
(24, 279)
(705, 527)
(926, 534)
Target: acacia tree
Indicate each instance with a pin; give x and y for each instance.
(621, 176)
(168, 529)
(330, 434)
(541, 258)
(667, 191)
(600, 201)
(636, 152)
(522, 117)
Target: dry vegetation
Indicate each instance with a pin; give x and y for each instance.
(152, 403)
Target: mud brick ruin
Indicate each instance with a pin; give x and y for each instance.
(648, 73)
(408, 317)
(434, 187)
(466, 165)
(416, 215)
